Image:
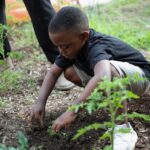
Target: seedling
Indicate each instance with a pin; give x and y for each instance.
(23, 143)
(2, 102)
(51, 132)
(109, 95)
(2, 40)
(54, 134)
(40, 147)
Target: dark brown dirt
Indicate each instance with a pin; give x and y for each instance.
(11, 122)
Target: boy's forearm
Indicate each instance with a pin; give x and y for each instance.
(101, 70)
(48, 85)
(88, 90)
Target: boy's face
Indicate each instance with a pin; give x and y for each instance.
(69, 43)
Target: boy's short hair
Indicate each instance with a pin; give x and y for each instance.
(68, 18)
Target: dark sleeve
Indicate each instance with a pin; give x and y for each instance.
(62, 62)
(97, 53)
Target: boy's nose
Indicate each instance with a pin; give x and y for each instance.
(63, 52)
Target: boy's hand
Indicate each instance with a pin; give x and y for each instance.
(36, 114)
(64, 120)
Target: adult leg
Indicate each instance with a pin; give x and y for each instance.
(41, 12)
(6, 47)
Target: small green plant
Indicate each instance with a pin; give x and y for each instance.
(109, 95)
(2, 103)
(53, 134)
(25, 35)
(18, 55)
(10, 80)
(23, 143)
(2, 29)
(40, 147)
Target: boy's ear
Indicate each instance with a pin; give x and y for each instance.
(85, 35)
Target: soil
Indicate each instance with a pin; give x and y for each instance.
(12, 120)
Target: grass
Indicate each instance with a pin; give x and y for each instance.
(15, 81)
(128, 20)
(10, 80)
(23, 36)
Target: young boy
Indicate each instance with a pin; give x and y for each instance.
(86, 57)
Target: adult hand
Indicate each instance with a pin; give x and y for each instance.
(64, 120)
(36, 113)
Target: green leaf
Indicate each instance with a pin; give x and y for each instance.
(82, 131)
(76, 108)
(103, 104)
(90, 107)
(108, 147)
(137, 115)
(12, 148)
(3, 147)
(107, 134)
(123, 130)
(134, 115)
(23, 141)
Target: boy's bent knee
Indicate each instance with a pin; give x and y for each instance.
(68, 73)
(114, 72)
(71, 75)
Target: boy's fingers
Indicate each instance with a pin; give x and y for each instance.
(54, 127)
(57, 126)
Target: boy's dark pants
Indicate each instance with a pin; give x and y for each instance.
(41, 12)
(6, 47)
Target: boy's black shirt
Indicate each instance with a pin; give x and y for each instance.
(103, 47)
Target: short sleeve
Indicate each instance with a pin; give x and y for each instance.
(97, 53)
(62, 62)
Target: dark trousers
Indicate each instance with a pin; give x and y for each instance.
(6, 47)
(41, 12)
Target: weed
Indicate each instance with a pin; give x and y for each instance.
(10, 80)
(54, 134)
(41, 58)
(40, 147)
(2, 102)
(25, 35)
(18, 55)
(51, 132)
(2, 37)
(23, 143)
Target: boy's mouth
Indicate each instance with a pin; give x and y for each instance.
(68, 57)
